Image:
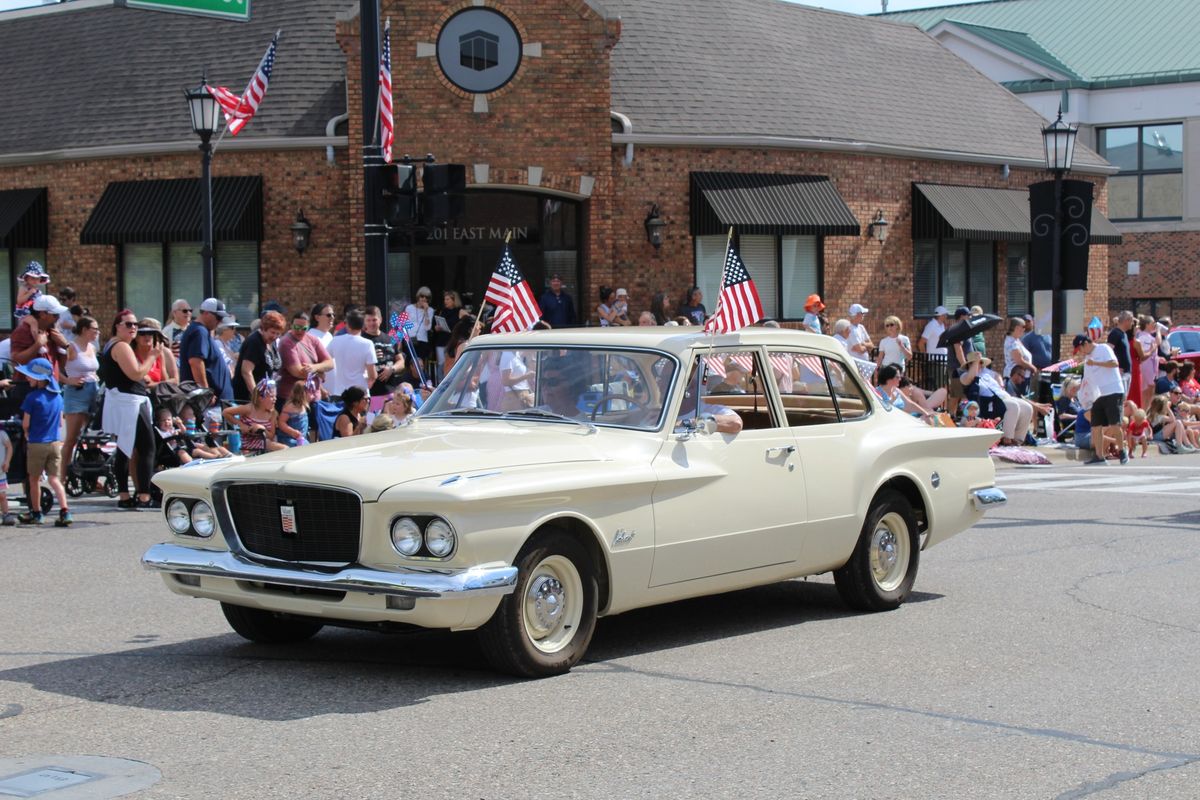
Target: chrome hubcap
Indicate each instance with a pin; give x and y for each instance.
(553, 604)
(546, 596)
(889, 552)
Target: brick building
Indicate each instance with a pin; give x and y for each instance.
(1135, 103)
(576, 121)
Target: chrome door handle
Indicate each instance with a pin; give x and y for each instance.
(785, 450)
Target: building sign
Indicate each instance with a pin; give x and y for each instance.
(225, 9)
(479, 50)
(495, 233)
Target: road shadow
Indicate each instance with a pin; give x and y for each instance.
(351, 671)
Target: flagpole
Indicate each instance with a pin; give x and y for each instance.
(712, 332)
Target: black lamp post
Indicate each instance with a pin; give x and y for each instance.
(205, 120)
(1059, 140)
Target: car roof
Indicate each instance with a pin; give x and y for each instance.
(678, 340)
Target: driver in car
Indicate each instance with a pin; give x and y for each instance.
(726, 418)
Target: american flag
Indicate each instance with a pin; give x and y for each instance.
(738, 304)
(387, 128)
(239, 109)
(509, 292)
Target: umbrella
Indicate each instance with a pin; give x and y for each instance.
(966, 328)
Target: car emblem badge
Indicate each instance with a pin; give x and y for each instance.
(623, 536)
(287, 519)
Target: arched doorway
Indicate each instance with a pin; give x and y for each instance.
(546, 238)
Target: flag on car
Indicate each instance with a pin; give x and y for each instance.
(509, 292)
(387, 131)
(240, 109)
(737, 305)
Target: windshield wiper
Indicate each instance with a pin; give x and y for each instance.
(483, 412)
(541, 412)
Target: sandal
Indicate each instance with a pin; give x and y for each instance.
(128, 502)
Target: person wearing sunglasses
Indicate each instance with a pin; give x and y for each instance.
(127, 407)
(304, 359)
(181, 317)
(322, 318)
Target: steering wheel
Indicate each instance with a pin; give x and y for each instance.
(634, 405)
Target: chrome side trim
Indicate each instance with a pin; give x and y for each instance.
(989, 498)
(410, 581)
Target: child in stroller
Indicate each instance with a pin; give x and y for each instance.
(176, 409)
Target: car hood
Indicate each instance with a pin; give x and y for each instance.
(372, 463)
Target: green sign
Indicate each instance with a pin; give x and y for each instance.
(226, 9)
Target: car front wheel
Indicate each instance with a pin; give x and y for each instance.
(543, 628)
(268, 628)
(880, 573)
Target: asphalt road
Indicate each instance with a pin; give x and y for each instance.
(1050, 652)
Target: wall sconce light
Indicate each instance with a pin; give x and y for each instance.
(301, 231)
(654, 226)
(878, 227)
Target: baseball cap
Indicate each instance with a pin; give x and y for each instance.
(962, 311)
(213, 306)
(622, 293)
(47, 302)
(941, 311)
(858, 308)
(1079, 341)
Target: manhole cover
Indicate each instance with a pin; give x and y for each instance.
(74, 777)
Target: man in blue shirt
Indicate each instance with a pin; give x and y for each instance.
(557, 307)
(1038, 344)
(200, 358)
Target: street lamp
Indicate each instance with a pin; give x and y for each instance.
(203, 108)
(1059, 140)
(878, 227)
(301, 231)
(654, 227)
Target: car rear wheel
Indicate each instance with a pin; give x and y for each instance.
(543, 628)
(266, 627)
(880, 573)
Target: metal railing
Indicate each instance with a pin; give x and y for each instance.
(929, 371)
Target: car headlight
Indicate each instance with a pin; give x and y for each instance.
(406, 536)
(179, 517)
(439, 538)
(203, 520)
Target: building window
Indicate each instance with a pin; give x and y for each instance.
(1019, 294)
(154, 275)
(12, 263)
(785, 269)
(1156, 307)
(1150, 183)
(951, 273)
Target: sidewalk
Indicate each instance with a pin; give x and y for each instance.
(1065, 454)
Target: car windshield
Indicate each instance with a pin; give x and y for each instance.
(555, 385)
(1186, 341)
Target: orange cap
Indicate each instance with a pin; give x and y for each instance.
(814, 301)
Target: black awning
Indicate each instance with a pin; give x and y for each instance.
(24, 218)
(760, 203)
(170, 211)
(984, 214)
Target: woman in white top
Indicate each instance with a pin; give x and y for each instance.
(1016, 354)
(79, 384)
(515, 377)
(1018, 412)
(322, 323)
(420, 314)
(605, 311)
(894, 347)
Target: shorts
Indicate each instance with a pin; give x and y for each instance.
(1126, 379)
(1106, 410)
(79, 399)
(45, 456)
(1083, 440)
(955, 391)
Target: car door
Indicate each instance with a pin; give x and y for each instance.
(726, 502)
(824, 409)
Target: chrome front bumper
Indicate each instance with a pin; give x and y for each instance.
(473, 582)
(989, 498)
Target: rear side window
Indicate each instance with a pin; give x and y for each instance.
(803, 388)
(851, 403)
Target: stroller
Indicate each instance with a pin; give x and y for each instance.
(92, 461)
(16, 467)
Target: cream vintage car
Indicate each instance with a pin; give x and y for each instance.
(558, 476)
